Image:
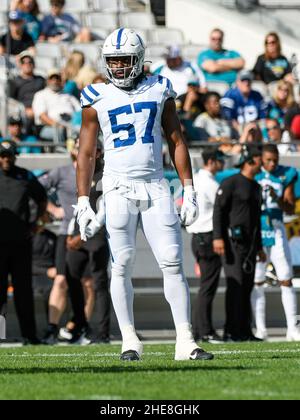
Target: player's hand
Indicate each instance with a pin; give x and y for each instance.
(261, 256)
(74, 243)
(96, 224)
(189, 209)
(219, 247)
(84, 214)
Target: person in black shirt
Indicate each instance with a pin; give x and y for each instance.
(272, 65)
(17, 187)
(94, 256)
(18, 40)
(237, 239)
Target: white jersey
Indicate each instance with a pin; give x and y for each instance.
(131, 126)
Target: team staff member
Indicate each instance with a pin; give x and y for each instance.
(202, 245)
(17, 187)
(91, 256)
(237, 238)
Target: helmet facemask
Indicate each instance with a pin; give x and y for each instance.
(130, 72)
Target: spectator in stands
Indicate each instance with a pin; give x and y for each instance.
(23, 87)
(283, 99)
(18, 39)
(99, 78)
(190, 104)
(53, 109)
(179, 72)
(277, 135)
(295, 130)
(60, 26)
(77, 74)
(17, 188)
(30, 10)
(272, 65)
(217, 63)
(217, 128)
(16, 135)
(251, 134)
(241, 104)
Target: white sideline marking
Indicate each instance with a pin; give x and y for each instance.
(97, 355)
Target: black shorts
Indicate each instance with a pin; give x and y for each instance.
(60, 255)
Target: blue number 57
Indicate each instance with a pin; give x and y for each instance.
(127, 109)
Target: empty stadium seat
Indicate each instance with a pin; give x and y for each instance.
(101, 20)
(47, 49)
(45, 63)
(190, 52)
(70, 6)
(155, 51)
(110, 5)
(220, 87)
(92, 51)
(260, 87)
(166, 36)
(137, 20)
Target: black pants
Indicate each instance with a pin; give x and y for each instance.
(239, 265)
(210, 265)
(16, 260)
(76, 265)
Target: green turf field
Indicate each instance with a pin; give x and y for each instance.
(244, 371)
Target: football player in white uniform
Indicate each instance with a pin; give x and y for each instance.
(130, 110)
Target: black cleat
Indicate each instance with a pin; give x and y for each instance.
(200, 354)
(130, 356)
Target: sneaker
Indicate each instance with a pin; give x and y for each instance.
(200, 354)
(130, 356)
(293, 335)
(254, 339)
(263, 335)
(211, 338)
(79, 336)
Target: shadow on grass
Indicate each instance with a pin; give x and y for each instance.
(130, 368)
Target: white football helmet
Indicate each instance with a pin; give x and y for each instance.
(124, 42)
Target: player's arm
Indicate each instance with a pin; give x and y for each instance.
(182, 162)
(289, 200)
(85, 168)
(87, 150)
(176, 142)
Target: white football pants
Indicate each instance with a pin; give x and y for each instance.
(161, 227)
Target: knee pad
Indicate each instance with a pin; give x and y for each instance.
(123, 259)
(171, 260)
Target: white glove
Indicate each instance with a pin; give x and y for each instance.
(189, 209)
(96, 224)
(85, 215)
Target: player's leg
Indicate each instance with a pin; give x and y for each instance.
(258, 299)
(162, 230)
(121, 224)
(281, 259)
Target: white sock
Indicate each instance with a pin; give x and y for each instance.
(122, 295)
(289, 302)
(258, 301)
(177, 294)
(184, 336)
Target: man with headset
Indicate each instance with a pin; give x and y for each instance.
(237, 239)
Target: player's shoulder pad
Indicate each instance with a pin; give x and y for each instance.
(166, 86)
(91, 94)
